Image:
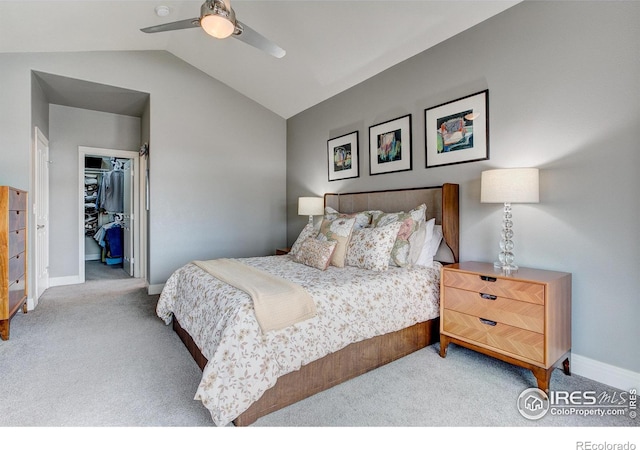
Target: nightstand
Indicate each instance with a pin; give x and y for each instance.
(283, 251)
(523, 318)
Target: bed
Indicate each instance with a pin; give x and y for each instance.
(364, 319)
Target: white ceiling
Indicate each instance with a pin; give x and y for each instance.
(331, 45)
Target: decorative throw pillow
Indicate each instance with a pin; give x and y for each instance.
(363, 219)
(402, 254)
(370, 248)
(307, 232)
(315, 253)
(338, 230)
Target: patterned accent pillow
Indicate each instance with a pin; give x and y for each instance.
(338, 230)
(307, 232)
(363, 219)
(370, 248)
(411, 234)
(316, 253)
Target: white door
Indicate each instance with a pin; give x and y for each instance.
(127, 249)
(41, 213)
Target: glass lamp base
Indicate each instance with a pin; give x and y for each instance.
(507, 268)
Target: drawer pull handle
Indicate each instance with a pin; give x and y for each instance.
(488, 296)
(486, 278)
(488, 322)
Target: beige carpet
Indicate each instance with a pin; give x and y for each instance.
(97, 355)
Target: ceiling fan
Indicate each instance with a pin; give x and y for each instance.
(218, 19)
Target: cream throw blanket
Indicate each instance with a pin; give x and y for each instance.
(278, 303)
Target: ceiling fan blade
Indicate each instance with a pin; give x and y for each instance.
(179, 25)
(252, 37)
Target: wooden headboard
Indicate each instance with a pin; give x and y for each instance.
(442, 203)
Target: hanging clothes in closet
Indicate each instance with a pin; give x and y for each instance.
(110, 202)
(109, 237)
(111, 193)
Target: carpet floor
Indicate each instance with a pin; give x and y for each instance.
(96, 355)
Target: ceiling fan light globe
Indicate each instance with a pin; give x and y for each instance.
(217, 26)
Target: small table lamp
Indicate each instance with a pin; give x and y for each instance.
(310, 206)
(508, 186)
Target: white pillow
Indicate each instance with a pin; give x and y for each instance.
(431, 243)
(444, 253)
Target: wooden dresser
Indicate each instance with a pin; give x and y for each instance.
(523, 318)
(13, 255)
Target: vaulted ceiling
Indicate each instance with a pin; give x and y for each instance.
(331, 45)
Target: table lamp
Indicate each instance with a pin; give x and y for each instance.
(310, 206)
(508, 186)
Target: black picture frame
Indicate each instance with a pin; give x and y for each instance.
(390, 148)
(343, 157)
(457, 131)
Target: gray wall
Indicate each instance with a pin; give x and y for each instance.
(564, 86)
(217, 158)
(69, 129)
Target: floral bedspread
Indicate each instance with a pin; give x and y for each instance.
(353, 304)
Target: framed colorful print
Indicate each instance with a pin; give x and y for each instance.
(458, 131)
(390, 146)
(342, 155)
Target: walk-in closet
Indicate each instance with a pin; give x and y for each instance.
(105, 218)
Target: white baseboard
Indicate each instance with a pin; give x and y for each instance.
(93, 257)
(31, 303)
(64, 281)
(605, 373)
(154, 289)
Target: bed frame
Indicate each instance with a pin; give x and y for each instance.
(360, 357)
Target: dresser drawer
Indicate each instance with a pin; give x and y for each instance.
(500, 336)
(17, 220)
(17, 200)
(16, 242)
(525, 315)
(17, 293)
(16, 267)
(501, 287)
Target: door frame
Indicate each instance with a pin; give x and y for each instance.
(139, 234)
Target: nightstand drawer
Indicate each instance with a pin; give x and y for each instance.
(528, 316)
(516, 341)
(501, 287)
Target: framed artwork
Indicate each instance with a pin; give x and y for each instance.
(390, 146)
(342, 155)
(458, 131)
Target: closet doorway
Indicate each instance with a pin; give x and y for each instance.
(109, 196)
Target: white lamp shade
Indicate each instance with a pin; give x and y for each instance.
(310, 206)
(509, 186)
(217, 26)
